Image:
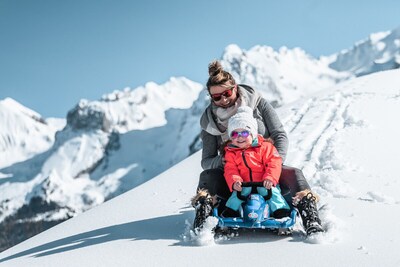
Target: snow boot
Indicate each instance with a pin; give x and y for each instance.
(307, 207)
(203, 204)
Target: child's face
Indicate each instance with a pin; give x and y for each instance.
(241, 138)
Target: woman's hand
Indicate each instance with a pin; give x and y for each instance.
(237, 186)
(268, 184)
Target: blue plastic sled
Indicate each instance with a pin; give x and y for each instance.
(253, 216)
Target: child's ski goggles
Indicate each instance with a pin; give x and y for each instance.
(243, 134)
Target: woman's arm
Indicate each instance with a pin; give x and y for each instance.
(210, 159)
(274, 128)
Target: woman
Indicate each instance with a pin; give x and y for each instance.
(226, 98)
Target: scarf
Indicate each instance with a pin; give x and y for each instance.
(222, 116)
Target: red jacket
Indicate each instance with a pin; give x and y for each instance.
(257, 163)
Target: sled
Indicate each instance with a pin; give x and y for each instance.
(253, 215)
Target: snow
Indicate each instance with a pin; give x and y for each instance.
(79, 165)
(281, 76)
(178, 93)
(102, 149)
(376, 53)
(346, 141)
(376, 37)
(19, 126)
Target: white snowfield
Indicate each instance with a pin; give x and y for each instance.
(346, 140)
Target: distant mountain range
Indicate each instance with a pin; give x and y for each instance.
(380, 51)
(53, 169)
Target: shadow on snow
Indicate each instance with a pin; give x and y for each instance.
(169, 227)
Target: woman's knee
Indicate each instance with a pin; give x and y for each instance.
(213, 180)
(301, 180)
(293, 179)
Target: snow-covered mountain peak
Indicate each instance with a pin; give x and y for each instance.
(17, 107)
(380, 51)
(134, 109)
(24, 132)
(232, 51)
(281, 76)
(378, 36)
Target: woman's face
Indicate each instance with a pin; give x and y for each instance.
(223, 96)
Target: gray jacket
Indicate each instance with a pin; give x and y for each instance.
(269, 126)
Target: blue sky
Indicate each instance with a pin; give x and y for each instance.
(53, 53)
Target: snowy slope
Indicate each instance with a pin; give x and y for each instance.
(380, 51)
(345, 140)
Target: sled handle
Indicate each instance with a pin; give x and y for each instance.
(254, 186)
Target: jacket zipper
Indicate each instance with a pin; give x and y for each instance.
(245, 163)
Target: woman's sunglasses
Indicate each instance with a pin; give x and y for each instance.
(226, 93)
(243, 134)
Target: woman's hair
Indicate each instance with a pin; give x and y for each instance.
(218, 76)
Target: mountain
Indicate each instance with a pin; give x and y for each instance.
(380, 51)
(24, 133)
(52, 170)
(281, 76)
(107, 147)
(343, 141)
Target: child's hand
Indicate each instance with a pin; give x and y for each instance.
(268, 184)
(237, 186)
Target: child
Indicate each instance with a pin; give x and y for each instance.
(249, 157)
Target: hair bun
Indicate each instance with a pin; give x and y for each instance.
(214, 68)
